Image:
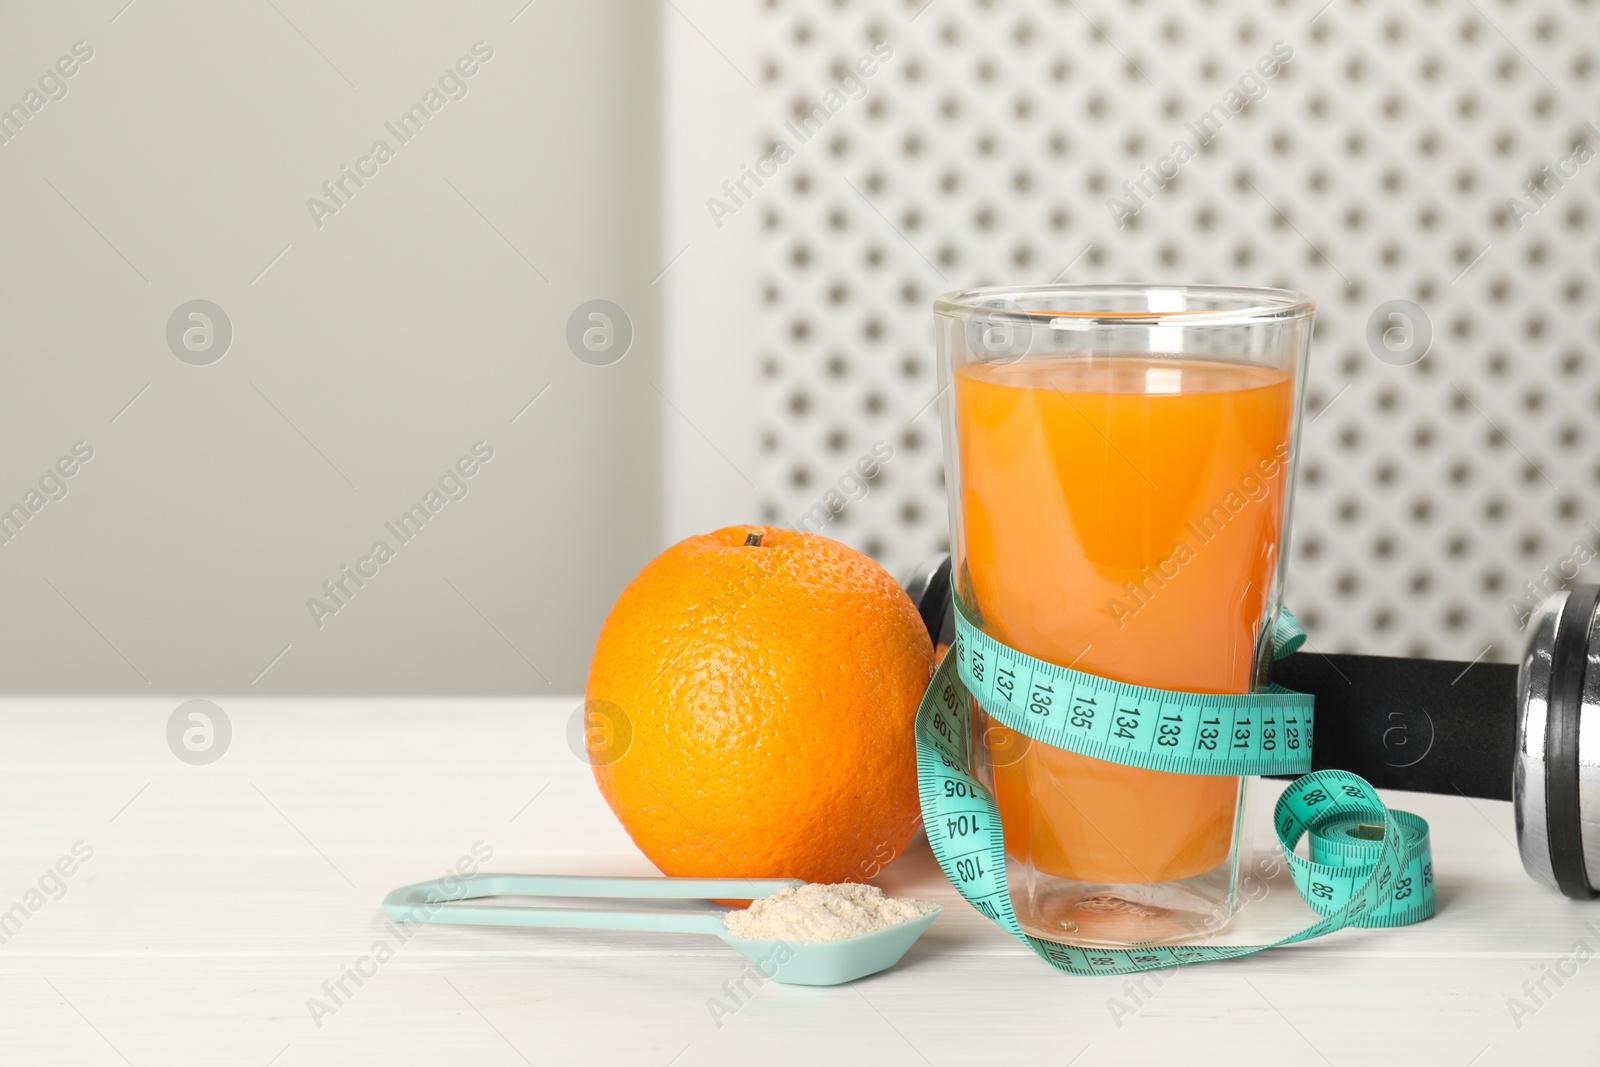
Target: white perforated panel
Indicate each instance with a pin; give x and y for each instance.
(1378, 164)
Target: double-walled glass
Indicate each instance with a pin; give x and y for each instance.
(1120, 461)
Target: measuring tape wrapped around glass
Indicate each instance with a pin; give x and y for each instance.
(1356, 876)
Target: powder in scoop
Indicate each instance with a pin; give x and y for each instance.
(822, 913)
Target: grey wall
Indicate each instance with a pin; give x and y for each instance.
(367, 353)
(772, 349)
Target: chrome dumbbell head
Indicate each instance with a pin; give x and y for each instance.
(1556, 766)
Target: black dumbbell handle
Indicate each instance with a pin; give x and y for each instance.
(1428, 726)
(1431, 726)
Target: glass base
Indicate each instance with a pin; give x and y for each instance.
(1111, 915)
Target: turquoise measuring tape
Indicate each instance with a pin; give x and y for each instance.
(1369, 866)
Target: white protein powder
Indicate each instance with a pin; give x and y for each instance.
(822, 913)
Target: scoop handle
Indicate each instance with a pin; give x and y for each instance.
(433, 901)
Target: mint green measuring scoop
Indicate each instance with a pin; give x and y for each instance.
(790, 962)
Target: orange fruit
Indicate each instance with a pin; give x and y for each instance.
(755, 691)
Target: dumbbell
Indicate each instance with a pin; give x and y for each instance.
(1497, 731)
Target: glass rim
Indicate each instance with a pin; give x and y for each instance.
(1007, 303)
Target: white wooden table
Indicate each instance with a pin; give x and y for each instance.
(220, 899)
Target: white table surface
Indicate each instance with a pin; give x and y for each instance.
(220, 898)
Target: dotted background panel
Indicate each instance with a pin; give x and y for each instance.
(1378, 166)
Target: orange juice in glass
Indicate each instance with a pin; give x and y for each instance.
(1119, 464)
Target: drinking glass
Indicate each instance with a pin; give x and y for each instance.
(1119, 460)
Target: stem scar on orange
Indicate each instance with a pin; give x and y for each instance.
(769, 680)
